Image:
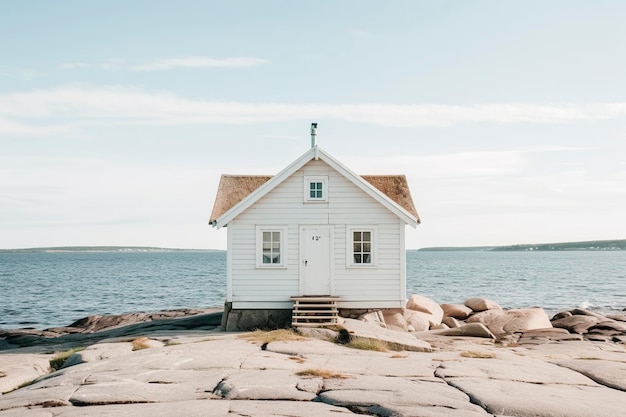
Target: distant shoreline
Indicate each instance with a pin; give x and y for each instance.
(590, 245)
(103, 249)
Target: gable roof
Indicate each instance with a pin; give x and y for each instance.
(238, 192)
(396, 188)
(233, 189)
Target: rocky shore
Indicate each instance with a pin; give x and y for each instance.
(428, 359)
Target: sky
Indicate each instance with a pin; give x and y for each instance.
(117, 118)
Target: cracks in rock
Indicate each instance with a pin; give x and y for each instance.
(594, 378)
(245, 359)
(79, 403)
(80, 385)
(50, 404)
(472, 399)
(364, 411)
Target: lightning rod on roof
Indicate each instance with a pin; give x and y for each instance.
(313, 134)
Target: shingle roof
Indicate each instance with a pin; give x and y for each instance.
(396, 188)
(234, 188)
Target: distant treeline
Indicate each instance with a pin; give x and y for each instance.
(587, 245)
(102, 249)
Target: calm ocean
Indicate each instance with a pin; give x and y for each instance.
(44, 290)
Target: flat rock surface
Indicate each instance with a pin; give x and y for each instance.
(513, 368)
(17, 369)
(94, 329)
(522, 399)
(213, 373)
(609, 373)
(389, 395)
(261, 384)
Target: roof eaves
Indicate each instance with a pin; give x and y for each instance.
(369, 189)
(264, 189)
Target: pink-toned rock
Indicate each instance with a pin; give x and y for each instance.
(541, 336)
(561, 315)
(451, 322)
(374, 317)
(617, 317)
(501, 322)
(466, 330)
(576, 324)
(481, 304)
(394, 319)
(612, 325)
(426, 305)
(587, 312)
(417, 320)
(458, 311)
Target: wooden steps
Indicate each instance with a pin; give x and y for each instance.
(314, 311)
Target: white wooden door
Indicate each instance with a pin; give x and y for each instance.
(315, 260)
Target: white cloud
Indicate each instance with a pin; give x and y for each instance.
(48, 200)
(452, 165)
(199, 62)
(80, 104)
(11, 127)
(457, 165)
(24, 74)
(74, 65)
(114, 64)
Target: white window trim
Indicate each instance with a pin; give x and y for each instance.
(308, 179)
(350, 229)
(283, 246)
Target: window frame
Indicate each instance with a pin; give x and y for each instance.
(308, 180)
(350, 229)
(282, 249)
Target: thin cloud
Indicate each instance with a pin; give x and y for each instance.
(11, 127)
(114, 64)
(449, 165)
(24, 73)
(459, 166)
(199, 62)
(84, 105)
(74, 65)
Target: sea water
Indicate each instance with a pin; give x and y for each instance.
(44, 290)
(553, 280)
(53, 289)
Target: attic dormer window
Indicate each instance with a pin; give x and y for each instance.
(315, 188)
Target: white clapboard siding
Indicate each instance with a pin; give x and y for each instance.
(379, 286)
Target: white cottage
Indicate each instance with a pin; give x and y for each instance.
(314, 229)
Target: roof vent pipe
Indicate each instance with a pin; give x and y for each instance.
(313, 134)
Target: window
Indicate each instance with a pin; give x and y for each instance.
(361, 242)
(271, 247)
(362, 247)
(315, 188)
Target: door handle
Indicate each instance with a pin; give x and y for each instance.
(305, 262)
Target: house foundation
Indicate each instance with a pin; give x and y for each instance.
(253, 319)
(269, 319)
